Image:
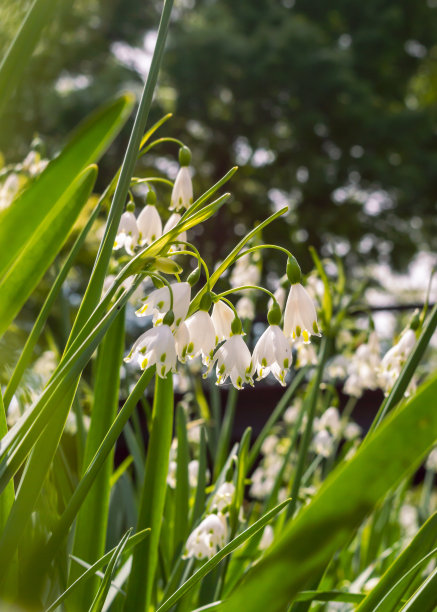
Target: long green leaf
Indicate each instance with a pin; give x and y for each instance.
(91, 523)
(28, 211)
(36, 255)
(92, 569)
(385, 590)
(425, 598)
(103, 591)
(220, 555)
(346, 497)
(18, 55)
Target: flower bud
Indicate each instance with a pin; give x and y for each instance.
(168, 318)
(294, 273)
(130, 207)
(193, 278)
(184, 156)
(151, 197)
(274, 314)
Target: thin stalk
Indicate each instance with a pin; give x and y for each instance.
(145, 558)
(306, 439)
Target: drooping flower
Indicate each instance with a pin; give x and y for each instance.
(149, 225)
(127, 233)
(158, 302)
(245, 308)
(155, 347)
(363, 368)
(202, 336)
(223, 497)
(222, 317)
(394, 360)
(172, 221)
(300, 318)
(207, 537)
(266, 538)
(182, 194)
(272, 353)
(182, 340)
(234, 360)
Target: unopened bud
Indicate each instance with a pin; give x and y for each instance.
(193, 278)
(184, 156)
(294, 273)
(168, 318)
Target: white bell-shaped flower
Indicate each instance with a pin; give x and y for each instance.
(272, 353)
(172, 221)
(305, 355)
(394, 360)
(149, 225)
(363, 368)
(127, 233)
(323, 443)
(182, 193)
(245, 308)
(300, 318)
(158, 302)
(234, 360)
(267, 538)
(222, 317)
(155, 347)
(182, 340)
(207, 537)
(223, 497)
(202, 336)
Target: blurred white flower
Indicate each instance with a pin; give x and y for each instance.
(234, 360)
(329, 420)
(222, 317)
(267, 538)
(182, 193)
(394, 360)
(9, 190)
(149, 225)
(155, 347)
(171, 476)
(127, 233)
(207, 538)
(223, 497)
(306, 355)
(431, 462)
(408, 518)
(352, 431)
(202, 336)
(337, 367)
(158, 302)
(323, 443)
(245, 308)
(291, 414)
(300, 318)
(270, 444)
(244, 272)
(363, 368)
(272, 353)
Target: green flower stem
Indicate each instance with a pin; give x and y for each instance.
(196, 254)
(160, 141)
(145, 558)
(203, 198)
(259, 247)
(247, 288)
(306, 439)
(401, 385)
(152, 179)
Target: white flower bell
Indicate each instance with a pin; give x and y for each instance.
(155, 347)
(182, 340)
(149, 225)
(363, 368)
(234, 360)
(158, 302)
(300, 318)
(267, 538)
(127, 233)
(182, 193)
(223, 497)
(202, 336)
(222, 317)
(172, 221)
(272, 353)
(394, 360)
(207, 537)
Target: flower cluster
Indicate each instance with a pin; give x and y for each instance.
(181, 331)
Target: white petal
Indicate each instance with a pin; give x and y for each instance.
(149, 225)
